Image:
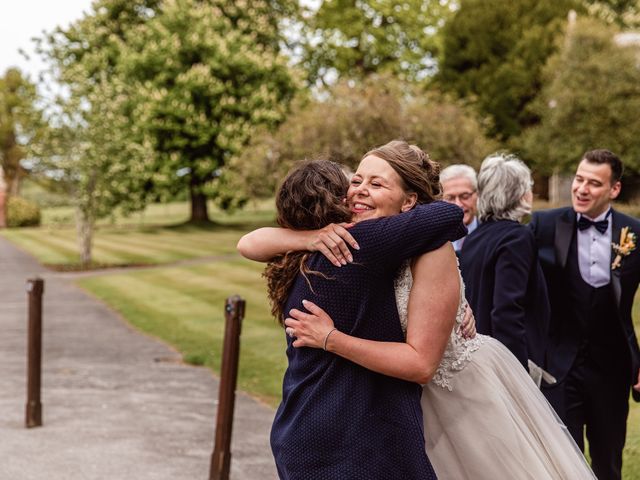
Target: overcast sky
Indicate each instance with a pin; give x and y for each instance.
(20, 20)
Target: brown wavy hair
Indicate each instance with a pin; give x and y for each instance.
(310, 197)
(419, 174)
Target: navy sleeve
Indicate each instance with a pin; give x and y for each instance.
(515, 260)
(386, 242)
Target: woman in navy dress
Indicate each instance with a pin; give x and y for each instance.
(338, 420)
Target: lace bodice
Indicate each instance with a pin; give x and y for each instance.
(459, 349)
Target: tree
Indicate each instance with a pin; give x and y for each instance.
(202, 80)
(493, 53)
(355, 38)
(90, 148)
(591, 100)
(19, 122)
(351, 120)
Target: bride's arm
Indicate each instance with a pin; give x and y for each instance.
(266, 243)
(433, 304)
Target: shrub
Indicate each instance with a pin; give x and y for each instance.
(22, 213)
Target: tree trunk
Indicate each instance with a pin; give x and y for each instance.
(3, 208)
(14, 186)
(3, 200)
(199, 211)
(85, 224)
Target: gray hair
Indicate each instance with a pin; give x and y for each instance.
(503, 181)
(459, 170)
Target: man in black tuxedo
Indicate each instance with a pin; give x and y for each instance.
(593, 350)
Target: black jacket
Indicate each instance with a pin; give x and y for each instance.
(506, 289)
(554, 231)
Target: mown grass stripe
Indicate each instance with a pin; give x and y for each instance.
(180, 306)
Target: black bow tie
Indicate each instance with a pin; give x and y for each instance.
(600, 225)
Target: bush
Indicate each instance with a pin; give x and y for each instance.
(22, 213)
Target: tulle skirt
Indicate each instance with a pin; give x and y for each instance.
(496, 425)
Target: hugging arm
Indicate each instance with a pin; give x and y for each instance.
(433, 305)
(266, 243)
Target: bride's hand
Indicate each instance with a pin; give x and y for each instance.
(468, 323)
(308, 329)
(332, 242)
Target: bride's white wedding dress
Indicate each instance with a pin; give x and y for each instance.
(484, 418)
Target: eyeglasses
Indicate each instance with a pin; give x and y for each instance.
(464, 196)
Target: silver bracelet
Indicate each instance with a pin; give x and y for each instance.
(327, 338)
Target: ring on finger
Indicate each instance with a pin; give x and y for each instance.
(290, 331)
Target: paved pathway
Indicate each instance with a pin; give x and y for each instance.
(116, 404)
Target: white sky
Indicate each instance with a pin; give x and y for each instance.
(20, 20)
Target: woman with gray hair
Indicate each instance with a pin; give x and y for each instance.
(505, 284)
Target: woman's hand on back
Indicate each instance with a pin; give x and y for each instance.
(468, 323)
(333, 242)
(309, 329)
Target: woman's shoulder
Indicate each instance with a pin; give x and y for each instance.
(505, 231)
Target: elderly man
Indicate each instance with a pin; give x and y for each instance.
(592, 267)
(460, 186)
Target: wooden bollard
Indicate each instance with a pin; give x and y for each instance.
(221, 457)
(35, 289)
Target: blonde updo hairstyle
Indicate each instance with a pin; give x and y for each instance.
(418, 173)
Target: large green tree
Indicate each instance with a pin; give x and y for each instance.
(19, 123)
(90, 149)
(203, 76)
(355, 38)
(591, 100)
(493, 54)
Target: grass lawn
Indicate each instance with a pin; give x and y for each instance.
(184, 306)
(155, 236)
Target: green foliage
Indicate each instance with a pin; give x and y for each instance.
(201, 82)
(22, 212)
(625, 13)
(88, 147)
(355, 38)
(350, 121)
(494, 52)
(592, 100)
(19, 122)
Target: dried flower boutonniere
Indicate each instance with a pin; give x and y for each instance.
(625, 247)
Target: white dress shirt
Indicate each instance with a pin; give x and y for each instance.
(457, 244)
(594, 253)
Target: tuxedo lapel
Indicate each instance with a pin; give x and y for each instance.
(565, 228)
(616, 227)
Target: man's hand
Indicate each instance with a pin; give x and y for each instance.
(636, 387)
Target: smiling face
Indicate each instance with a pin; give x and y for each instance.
(592, 190)
(376, 191)
(459, 190)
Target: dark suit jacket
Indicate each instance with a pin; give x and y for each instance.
(554, 230)
(505, 287)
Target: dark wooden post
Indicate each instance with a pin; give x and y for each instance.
(35, 289)
(221, 457)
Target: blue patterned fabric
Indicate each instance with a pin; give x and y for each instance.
(338, 420)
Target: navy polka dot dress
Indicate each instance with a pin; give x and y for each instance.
(338, 420)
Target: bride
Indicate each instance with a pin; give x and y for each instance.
(484, 418)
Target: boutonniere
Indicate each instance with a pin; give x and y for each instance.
(625, 247)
